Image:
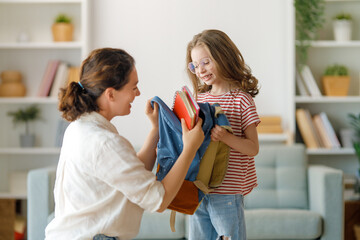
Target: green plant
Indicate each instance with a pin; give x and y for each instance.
(62, 18)
(26, 115)
(355, 124)
(336, 70)
(343, 16)
(309, 19)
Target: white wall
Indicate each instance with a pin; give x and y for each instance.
(156, 32)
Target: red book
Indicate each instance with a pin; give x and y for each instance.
(186, 107)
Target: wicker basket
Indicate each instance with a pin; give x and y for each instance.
(336, 85)
(7, 219)
(357, 231)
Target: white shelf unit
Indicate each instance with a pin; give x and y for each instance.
(323, 52)
(34, 17)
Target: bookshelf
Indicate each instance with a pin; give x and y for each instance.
(323, 52)
(34, 18)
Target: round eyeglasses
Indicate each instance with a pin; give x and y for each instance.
(204, 63)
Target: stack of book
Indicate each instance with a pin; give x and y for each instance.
(57, 74)
(186, 107)
(270, 125)
(316, 131)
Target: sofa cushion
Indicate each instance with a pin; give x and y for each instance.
(282, 178)
(295, 224)
(157, 226)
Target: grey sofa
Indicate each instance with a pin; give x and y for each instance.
(293, 201)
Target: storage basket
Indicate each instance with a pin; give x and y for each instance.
(7, 219)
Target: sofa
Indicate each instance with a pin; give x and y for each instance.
(294, 200)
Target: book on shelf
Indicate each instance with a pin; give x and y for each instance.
(330, 130)
(303, 91)
(74, 74)
(319, 125)
(48, 78)
(60, 80)
(270, 124)
(304, 122)
(309, 81)
(186, 107)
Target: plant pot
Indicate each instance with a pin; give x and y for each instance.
(27, 140)
(336, 85)
(11, 85)
(62, 32)
(342, 30)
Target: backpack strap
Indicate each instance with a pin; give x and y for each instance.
(172, 220)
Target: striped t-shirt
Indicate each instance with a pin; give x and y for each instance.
(240, 109)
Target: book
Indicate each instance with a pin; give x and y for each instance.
(310, 82)
(73, 75)
(60, 80)
(306, 128)
(330, 130)
(48, 78)
(303, 91)
(270, 124)
(322, 131)
(186, 107)
(194, 104)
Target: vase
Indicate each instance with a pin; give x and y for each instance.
(27, 140)
(342, 30)
(11, 85)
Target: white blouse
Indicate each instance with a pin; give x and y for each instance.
(101, 186)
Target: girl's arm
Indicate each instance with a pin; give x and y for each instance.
(248, 145)
(172, 182)
(147, 153)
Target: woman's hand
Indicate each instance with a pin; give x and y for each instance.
(192, 138)
(152, 113)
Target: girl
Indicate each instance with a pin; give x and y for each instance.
(102, 186)
(219, 75)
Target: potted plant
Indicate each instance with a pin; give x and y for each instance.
(355, 124)
(336, 80)
(25, 116)
(62, 29)
(342, 27)
(309, 19)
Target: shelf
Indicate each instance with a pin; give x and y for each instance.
(39, 1)
(30, 151)
(333, 44)
(281, 137)
(13, 195)
(324, 99)
(41, 45)
(324, 151)
(17, 186)
(28, 100)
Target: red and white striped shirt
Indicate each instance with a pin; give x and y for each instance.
(240, 109)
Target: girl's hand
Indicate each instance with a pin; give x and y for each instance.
(193, 138)
(218, 133)
(152, 113)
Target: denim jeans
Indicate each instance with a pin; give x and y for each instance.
(104, 237)
(219, 215)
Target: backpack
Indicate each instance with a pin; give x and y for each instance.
(209, 165)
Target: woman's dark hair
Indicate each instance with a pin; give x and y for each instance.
(103, 68)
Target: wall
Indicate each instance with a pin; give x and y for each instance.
(156, 33)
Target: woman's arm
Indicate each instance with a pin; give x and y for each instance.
(147, 153)
(172, 182)
(248, 145)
